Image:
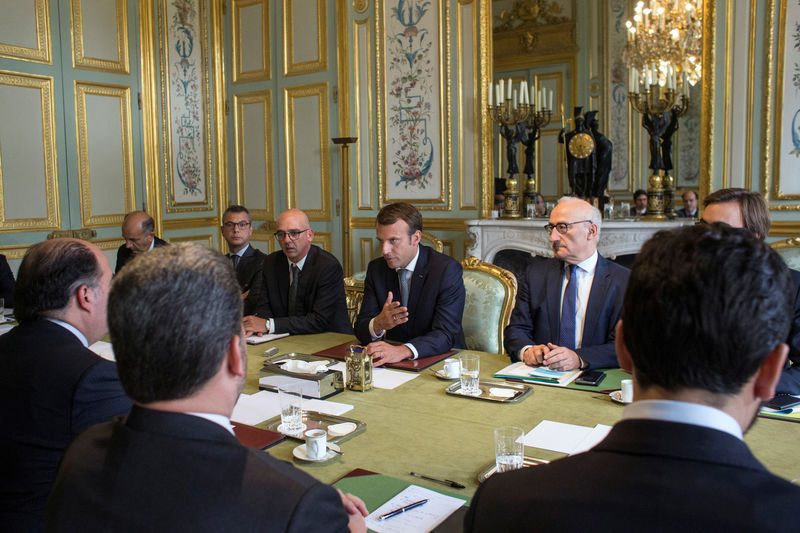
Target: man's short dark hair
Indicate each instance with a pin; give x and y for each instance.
(638, 193)
(391, 213)
(704, 306)
(171, 315)
(50, 272)
(690, 192)
(755, 213)
(235, 208)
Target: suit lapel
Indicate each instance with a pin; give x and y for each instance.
(282, 279)
(305, 275)
(417, 282)
(553, 287)
(594, 308)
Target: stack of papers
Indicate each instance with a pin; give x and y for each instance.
(565, 438)
(255, 339)
(538, 374)
(422, 519)
(255, 408)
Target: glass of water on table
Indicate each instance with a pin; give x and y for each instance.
(508, 448)
(470, 370)
(291, 400)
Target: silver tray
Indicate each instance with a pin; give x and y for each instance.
(490, 470)
(317, 420)
(521, 390)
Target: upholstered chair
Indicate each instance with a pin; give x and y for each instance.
(491, 294)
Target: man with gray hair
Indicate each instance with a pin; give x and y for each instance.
(138, 230)
(174, 463)
(567, 307)
(52, 386)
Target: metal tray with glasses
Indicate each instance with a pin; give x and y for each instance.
(494, 391)
(317, 420)
(490, 469)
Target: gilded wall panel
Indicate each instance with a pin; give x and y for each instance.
(468, 110)
(251, 43)
(365, 147)
(307, 149)
(28, 173)
(105, 153)
(28, 42)
(324, 239)
(100, 35)
(302, 21)
(253, 114)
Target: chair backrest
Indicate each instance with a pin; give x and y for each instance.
(354, 294)
(491, 293)
(434, 243)
(789, 250)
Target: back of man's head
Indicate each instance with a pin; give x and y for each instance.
(50, 273)
(704, 306)
(755, 213)
(172, 313)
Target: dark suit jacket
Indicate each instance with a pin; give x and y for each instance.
(536, 317)
(161, 471)
(435, 303)
(645, 476)
(790, 378)
(124, 255)
(249, 273)
(320, 296)
(51, 389)
(683, 214)
(6, 282)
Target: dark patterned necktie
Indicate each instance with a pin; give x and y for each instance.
(235, 260)
(566, 329)
(404, 275)
(293, 289)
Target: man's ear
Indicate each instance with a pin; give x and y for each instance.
(770, 372)
(623, 355)
(234, 357)
(85, 298)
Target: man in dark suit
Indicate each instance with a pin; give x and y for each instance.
(6, 282)
(676, 461)
(639, 207)
(302, 288)
(237, 227)
(174, 463)
(689, 209)
(741, 208)
(567, 307)
(138, 230)
(412, 294)
(52, 386)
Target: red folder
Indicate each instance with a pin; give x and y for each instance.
(254, 437)
(340, 351)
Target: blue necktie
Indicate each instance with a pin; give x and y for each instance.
(404, 275)
(293, 289)
(566, 329)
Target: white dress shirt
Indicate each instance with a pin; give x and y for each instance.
(378, 335)
(270, 321)
(683, 413)
(221, 420)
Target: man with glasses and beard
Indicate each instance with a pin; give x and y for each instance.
(302, 288)
(567, 307)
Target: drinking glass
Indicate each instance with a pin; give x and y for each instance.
(508, 448)
(291, 399)
(470, 368)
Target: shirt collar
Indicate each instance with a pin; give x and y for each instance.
(589, 264)
(411, 264)
(299, 263)
(684, 413)
(241, 252)
(72, 329)
(221, 420)
(152, 243)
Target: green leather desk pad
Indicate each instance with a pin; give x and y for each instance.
(418, 427)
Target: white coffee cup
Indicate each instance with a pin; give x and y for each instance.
(316, 443)
(627, 390)
(452, 368)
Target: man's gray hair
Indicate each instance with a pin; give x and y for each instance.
(593, 213)
(172, 313)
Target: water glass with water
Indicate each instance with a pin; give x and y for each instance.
(291, 399)
(470, 369)
(508, 448)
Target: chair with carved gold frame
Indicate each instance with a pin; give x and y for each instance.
(428, 239)
(491, 293)
(789, 250)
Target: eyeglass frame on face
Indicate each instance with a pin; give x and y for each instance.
(566, 225)
(293, 234)
(242, 224)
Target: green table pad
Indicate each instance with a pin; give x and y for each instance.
(417, 427)
(377, 489)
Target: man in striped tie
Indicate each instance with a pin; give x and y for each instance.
(568, 306)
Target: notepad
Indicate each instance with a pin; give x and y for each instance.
(565, 438)
(255, 339)
(255, 408)
(420, 519)
(540, 374)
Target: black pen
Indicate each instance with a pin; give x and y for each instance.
(447, 482)
(402, 509)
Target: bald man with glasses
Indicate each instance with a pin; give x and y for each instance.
(568, 306)
(302, 285)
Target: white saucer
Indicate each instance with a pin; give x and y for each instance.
(616, 396)
(298, 434)
(300, 453)
(441, 375)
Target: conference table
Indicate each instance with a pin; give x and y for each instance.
(418, 427)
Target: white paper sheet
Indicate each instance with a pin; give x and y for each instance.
(255, 408)
(5, 328)
(255, 339)
(565, 438)
(420, 519)
(382, 378)
(104, 350)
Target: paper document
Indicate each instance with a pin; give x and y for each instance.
(565, 438)
(420, 519)
(255, 339)
(382, 378)
(5, 328)
(255, 408)
(104, 350)
(539, 374)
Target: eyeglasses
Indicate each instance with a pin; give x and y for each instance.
(240, 225)
(562, 227)
(293, 234)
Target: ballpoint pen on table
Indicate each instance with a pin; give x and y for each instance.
(402, 509)
(447, 482)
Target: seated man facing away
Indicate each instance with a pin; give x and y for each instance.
(174, 464)
(302, 288)
(52, 386)
(567, 307)
(747, 209)
(138, 230)
(237, 227)
(412, 294)
(706, 312)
